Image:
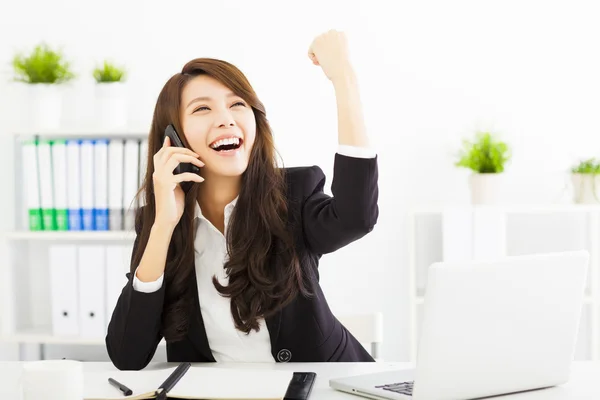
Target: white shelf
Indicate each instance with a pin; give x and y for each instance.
(586, 300)
(71, 235)
(87, 132)
(45, 336)
(511, 208)
(25, 292)
(493, 242)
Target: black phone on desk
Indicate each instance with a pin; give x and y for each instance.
(300, 386)
(181, 167)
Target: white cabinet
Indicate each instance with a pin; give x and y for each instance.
(476, 232)
(25, 272)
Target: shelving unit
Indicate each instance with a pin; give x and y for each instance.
(45, 336)
(25, 299)
(471, 232)
(70, 236)
(421, 299)
(85, 132)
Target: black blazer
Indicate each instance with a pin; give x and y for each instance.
(305, 330)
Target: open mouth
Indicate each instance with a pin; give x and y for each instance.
(229, 144)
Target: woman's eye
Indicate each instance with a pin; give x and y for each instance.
(239, 103)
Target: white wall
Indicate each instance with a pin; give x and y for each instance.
(430, 73)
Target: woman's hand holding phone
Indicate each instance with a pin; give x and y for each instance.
(168, 194)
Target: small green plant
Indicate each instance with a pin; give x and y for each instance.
(43, 65)
(109, 73)
(589, 166)
(485, 154)
(588, 169)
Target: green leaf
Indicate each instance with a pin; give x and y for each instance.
(109, 73)
(485, 154)
(43, 65)
(589, 166)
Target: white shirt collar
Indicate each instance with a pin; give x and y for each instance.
(228, 209)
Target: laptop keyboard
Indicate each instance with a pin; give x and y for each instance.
(405, 388)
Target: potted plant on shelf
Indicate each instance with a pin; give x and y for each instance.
(585, 177)
(487, 157)
(43, 70)
(111, 96)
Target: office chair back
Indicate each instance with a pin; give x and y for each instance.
(367, 328)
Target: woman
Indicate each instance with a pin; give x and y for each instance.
(228, 271)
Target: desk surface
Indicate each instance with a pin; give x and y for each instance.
(584, 383)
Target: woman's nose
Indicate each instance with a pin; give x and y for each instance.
(225, 119)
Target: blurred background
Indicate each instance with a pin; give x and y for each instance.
(432, 74)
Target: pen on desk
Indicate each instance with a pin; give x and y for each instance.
(126, 391)
(171, 381)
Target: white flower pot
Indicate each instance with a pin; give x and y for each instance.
(111, 105)
(486, 188)
(45, 100)
(586, 188)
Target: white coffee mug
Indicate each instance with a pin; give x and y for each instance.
(52, 380)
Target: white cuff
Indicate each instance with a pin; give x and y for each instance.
(357, 152)
(147, 287)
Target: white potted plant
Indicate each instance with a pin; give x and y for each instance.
(585, 177)
(487, 157)
(111, 96)
(43, 70)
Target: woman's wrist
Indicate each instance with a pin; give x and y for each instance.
(162, 229)
(346, 77)
(152, 265)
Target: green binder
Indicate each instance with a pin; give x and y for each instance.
(44, 153)
(59, 176)
(31, 184)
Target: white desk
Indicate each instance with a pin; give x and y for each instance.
(584, 383)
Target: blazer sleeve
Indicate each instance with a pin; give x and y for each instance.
(331, 222)
(134, 330)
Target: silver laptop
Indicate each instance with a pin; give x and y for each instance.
(490, 328)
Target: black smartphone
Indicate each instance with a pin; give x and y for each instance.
(300, 386)
(176, 141)
(182, 167)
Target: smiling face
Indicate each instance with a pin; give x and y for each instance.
(218, 125)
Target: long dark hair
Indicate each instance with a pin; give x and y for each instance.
(257, 229)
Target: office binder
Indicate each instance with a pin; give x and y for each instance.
(457, 236)
(92, 288)
(142, 168)
(74, 185)
(115, 184)
(489, 233)
(31, 185)
(130, 184)
(87, 184)
(46, 194)
(59, 174)
(62, 261)
(101, 185)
